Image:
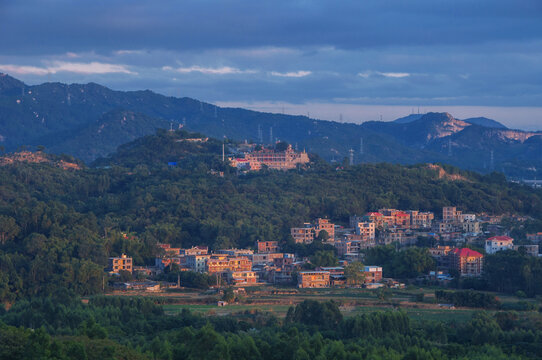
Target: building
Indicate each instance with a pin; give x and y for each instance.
(531, 250)
(197, 263)
(266, 258)
(373, 274)
(267, 246)
(499, 243)
(366, 230)
(303, 235)
(240, 278)
(324, 225)
(441, 256)
(195, 250)
(116, 264)
(467, 262)
(471, 226)
(277, 160)
(221, 264)
(313, 279)
(421, 220)
(235, 252)
(451, 214)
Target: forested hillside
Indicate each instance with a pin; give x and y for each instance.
(59, 226)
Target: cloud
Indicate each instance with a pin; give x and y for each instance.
(367, 74)
(62, 66)
(224, 70)
(292, 74)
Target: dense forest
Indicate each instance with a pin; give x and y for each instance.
(59, 226)
(62, 327)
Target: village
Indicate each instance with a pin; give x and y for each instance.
(265, 265)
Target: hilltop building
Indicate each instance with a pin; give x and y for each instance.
(277, 160)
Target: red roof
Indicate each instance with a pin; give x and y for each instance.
(401, 213)
(466, 252)
(501, 238)
(374, 214)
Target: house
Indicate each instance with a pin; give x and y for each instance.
(467, 262)
(324, 225)
(420, 220)
(313, 279)
(470, 226)
(278, 160)
(267, 246)
(239, 278)
(197, 263)
(499, 243)
(303, 235)
(531, 250)
(116, 264)
(366, 230)
(451, 214)
(373, 274)
(535, 237)
(221, 264)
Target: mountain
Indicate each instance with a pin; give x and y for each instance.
(483, 121)
(91, 121)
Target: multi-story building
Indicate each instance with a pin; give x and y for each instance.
(313, 279)
(235, 252)
(265, 258)
(366, 230)
(531, 250)
(267, 246)
(116, 264)
(420, 220)
(441, 255)
(324, 225)
(471, 226)
(499, 243)
(195, 250)
(373, 274)
(197, 263)
(451, 214)
(278, 160)
(303, 235)
(221, 264)
(467, 262)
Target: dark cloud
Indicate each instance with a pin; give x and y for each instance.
(394, 52)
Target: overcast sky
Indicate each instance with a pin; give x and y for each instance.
(361, 59)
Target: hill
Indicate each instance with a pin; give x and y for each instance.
(88, 120)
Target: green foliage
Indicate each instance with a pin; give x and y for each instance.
(407, 263)
(355, 273)
(468, 298)
(324, 258)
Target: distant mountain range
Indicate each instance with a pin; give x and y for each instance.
(90, 121)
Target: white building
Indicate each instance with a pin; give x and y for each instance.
(499, 243)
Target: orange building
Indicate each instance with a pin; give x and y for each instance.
(116, 264)
(267, 246)
(373, 274)
(220, 264)
(313, 279)
(278, 160)
(468, 262)
(239, 278)
(303, 235)
(324, 225)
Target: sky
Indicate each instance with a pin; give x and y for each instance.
(337, 60)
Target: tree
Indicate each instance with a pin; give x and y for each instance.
(355, 273)
(324, 258)
(8, 229)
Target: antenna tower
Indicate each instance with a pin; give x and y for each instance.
(351, 156)
(271, 135)
(361, 145)
(260, 134)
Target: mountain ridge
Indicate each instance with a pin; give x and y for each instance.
(65, 118)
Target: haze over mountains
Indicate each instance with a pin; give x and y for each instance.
(90, 121)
